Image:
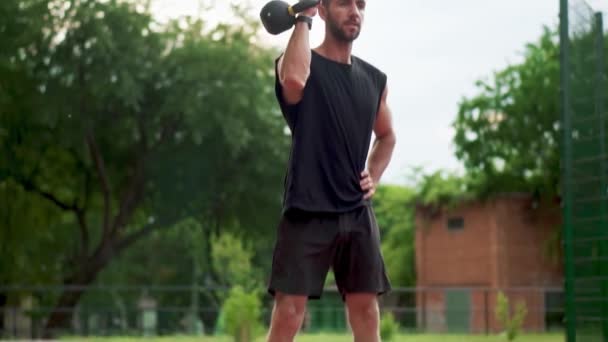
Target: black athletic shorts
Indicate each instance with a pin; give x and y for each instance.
(308, 244)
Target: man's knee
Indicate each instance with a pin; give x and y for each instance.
(363, 312)
(289, 312)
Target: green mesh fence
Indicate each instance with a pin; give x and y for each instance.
(585, 172)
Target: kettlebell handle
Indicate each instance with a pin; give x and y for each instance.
(303, 5)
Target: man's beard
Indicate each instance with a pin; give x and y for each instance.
(340, 34)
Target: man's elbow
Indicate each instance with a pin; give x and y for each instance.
(389, 138)
(294, 83)
(293, 79)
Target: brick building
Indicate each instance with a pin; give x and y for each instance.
(466, 254)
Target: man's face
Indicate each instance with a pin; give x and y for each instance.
(344, 18)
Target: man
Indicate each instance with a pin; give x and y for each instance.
(332, 101)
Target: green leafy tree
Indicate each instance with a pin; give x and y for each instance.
(444, 188)
(508, 134)
(126, 127)
(394, 210)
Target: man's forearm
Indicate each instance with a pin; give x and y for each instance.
(380, 155)
(296, 60)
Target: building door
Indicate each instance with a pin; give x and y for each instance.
(458, 310)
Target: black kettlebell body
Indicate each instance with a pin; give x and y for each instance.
(278, 16)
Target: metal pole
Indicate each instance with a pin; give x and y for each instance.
(424, 327)
(15, 331)
(566, 165)
(486, 311)
(600, 112)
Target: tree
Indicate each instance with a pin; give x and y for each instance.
(26, 256)
(394, 211)
(508, 135)
(128, 128)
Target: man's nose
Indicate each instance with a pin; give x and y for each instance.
(354, 11)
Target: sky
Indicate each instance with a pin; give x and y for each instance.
(433, 52)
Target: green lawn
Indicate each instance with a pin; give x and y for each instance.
(342, 338)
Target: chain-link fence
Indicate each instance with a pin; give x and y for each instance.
(585, 172)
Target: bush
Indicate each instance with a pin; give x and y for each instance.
(388, 327)
(241, 315)
(512, 324)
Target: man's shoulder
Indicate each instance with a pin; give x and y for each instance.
(371, 70)
(368, 66)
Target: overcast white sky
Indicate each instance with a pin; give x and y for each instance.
(433, 52)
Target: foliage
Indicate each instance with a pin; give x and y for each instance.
(180, 258)
(512, 323)
(508, 134)
(443, 188)
(28, 254)
(389, 328)
(394, 211)
(242, 314)
(232, 261)
(113, 126)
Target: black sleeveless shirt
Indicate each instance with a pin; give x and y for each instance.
(331, 133)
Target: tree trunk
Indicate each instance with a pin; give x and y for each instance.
(211, 300)
(85, 274)
(74, 287)
(59, 319)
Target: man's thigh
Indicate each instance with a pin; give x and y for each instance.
(302, 254)
(359, 265)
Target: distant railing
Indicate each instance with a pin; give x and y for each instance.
(169, 310)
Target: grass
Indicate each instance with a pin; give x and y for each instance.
(340, 338)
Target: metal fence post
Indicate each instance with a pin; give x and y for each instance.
(15, 331)
(424, 328)
(600, 112)
(566, 163)
(486, 311)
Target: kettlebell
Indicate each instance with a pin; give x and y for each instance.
(278, 16)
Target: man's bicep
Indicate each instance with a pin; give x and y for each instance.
(384, 121)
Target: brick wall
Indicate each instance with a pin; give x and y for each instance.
(525, 233)
(500, 247)
(455, 257)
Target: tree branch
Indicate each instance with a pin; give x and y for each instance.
(87, 176)
(81, 211)
(84, 231)
(130, 199)
(134, 192)
(31, 187)
(87, 190)
(105, 184)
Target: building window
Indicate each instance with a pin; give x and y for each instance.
(455, 223)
